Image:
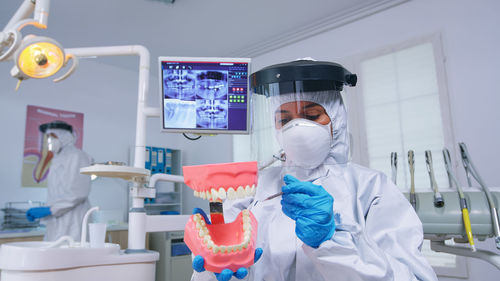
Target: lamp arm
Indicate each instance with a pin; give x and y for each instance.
(23, 12)
(21, 18)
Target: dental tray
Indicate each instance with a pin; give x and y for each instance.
(115, 171)
(446, 222)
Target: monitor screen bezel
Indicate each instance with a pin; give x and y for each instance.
(203, 59)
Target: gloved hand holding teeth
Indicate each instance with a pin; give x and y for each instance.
(226, 274)
(311, 207)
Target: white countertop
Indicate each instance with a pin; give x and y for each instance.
(40, 231)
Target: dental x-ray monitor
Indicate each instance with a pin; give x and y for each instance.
(205, 95)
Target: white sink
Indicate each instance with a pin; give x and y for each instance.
(35, 261)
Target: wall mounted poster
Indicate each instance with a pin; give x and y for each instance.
(35, 169)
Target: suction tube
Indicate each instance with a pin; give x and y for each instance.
(411, 164)
(438, 199)
(394, 166)
(493, 209)
(463, 201)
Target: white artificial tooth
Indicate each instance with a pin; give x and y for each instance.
(203, 195)
(215, 249)
(245, 244)
(222, 193)
(252, 189)
(197, 218)
(231, 249)
(198, 225)
(196, 194)
(208, 194)
(201, 233)
(240, 192)
(247, 190)
(246, 226)
(239, 247)
(231, 194)
(210, 244)
(215, 194)
(206, 238)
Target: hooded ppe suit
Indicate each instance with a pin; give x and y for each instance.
(68, 190)
(377, 235)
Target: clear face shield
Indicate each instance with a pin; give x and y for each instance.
(54, 135)
(298, 108)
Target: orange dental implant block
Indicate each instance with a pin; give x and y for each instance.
(230, 245)
(222, 245)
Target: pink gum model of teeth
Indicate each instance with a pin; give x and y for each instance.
(225, 245)
(220, 181)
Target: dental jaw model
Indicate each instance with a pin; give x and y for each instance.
(222, 245)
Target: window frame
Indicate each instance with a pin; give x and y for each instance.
(358, 126)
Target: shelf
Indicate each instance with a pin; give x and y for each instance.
(161, 204)
(115, 171)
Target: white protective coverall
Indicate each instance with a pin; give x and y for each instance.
(68, 190)
(378, 235)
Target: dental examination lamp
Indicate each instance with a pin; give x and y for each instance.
(34, 56)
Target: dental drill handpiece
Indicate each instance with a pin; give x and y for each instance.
(438, 199)
(493, 210)
(466, 166)
(463, 200)
(411, 164)
(394, 166)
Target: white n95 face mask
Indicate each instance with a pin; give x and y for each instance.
(54, 144)
(305, 142)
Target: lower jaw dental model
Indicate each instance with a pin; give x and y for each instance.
(222, 245)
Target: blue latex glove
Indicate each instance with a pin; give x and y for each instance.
(37, 212)
(226, 274)
(311, 207)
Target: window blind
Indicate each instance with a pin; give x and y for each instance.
(402, 111)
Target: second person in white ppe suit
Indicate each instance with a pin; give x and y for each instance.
(68, 190)
(336, 220)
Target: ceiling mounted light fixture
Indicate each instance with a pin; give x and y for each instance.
(39, 57)
(34, 56)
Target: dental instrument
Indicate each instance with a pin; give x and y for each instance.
(394, 166)
(466, 159)
(411, 164)
(273, 196)
(463, 201)
(438, 198)
(466, 168)
(280, 156)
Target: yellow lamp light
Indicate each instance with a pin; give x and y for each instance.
(39, 57)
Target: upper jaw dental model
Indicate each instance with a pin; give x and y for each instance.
(222, 245)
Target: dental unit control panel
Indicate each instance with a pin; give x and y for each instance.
(204, 95)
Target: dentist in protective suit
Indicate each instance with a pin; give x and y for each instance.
(68, 190)
(336, 220)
